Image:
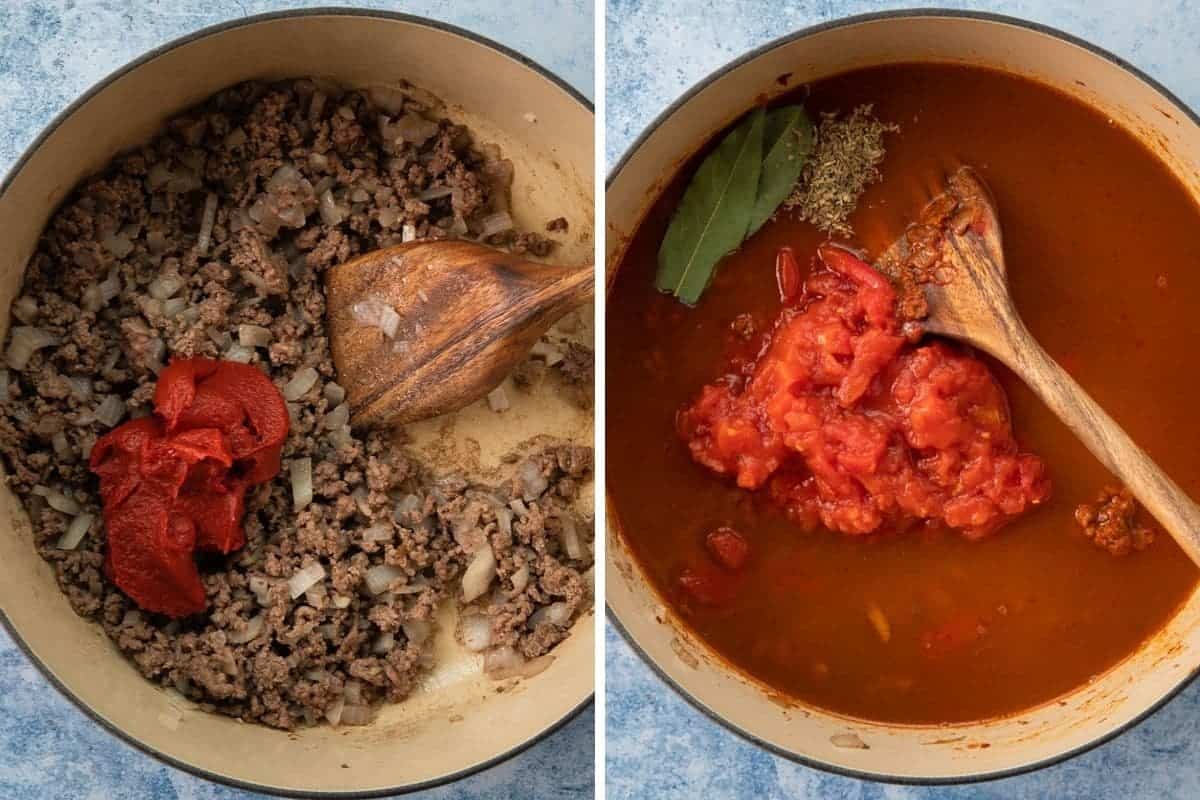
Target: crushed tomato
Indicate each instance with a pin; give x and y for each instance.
(850, 426)
(175, 482)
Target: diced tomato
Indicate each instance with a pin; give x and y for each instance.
(707, 585)
(728, 547)
(787, 275)
(877, 433)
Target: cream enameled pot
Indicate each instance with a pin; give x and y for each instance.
(950, 753)
(458, 721)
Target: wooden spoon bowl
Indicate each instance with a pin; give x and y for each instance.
(969, 300)
(468, 314)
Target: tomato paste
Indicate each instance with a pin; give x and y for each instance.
(848, 425)
(175, 482)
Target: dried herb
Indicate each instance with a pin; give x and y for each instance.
(714, 214)
(736, 189)
(843, 164)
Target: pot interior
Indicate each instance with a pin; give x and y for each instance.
(457, 720)
(944, 752)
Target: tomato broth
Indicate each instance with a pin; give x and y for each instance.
(928, 626)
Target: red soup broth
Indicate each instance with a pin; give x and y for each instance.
(928, 625)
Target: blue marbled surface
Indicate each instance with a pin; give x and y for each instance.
(660, 747)
(50, 52)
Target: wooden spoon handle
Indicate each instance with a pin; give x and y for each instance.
(1109, 443)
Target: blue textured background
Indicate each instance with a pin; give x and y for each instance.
(50, 52)
(658, 746)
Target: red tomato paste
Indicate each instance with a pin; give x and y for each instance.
(175, 482)
(850, 426)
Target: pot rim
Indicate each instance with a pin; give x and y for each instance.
(203, 33)
(615, 172)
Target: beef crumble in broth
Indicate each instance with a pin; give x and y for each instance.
(211, 241)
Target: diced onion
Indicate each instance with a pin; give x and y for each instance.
(334, 394)
(407, 505)
(156, 350)
(164, 286)
(341, 601)
(503, 662)
(316, 595)
(334, 712)
(110, 287)
(305, 579)
(239, 353)
(356, 715)
(158, 176)
(554, 614)
(384, 643)
(27, 340)
(386, 98)
(547, 352)
(300, 383)
(110, 410)
(495, 223)
(206, 224)
(173, 306)
(532, 480)
(497, 400)
(62, 447)
(338, 418)
(388, 217)
(285, 177)
(375, 312)
(318, 104)
(118, 244)
(235, 138)
(408, 233)
(435, 193)
(91, 298)
(476, 632)
(417, 630)
(569, 535)
(520, 580)
(81, 388)
(414, 586)
(302, 483)
(60, 502)
(331, 212)
(380, 577)
(479, 573)
(183, 182)
(25, 309)
(260, 587)
(504, 520)
(377, 533)
(254, 627)
(75, 532)
(254, 336)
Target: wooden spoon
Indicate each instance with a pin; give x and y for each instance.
(970, 301)
(468, 314)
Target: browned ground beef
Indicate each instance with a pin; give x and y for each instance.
(302, 176)
(1112, 522)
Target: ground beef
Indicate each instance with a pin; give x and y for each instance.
(1112, 522)
(303, 176)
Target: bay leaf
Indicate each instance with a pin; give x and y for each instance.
(788, 141)
(714, 214)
